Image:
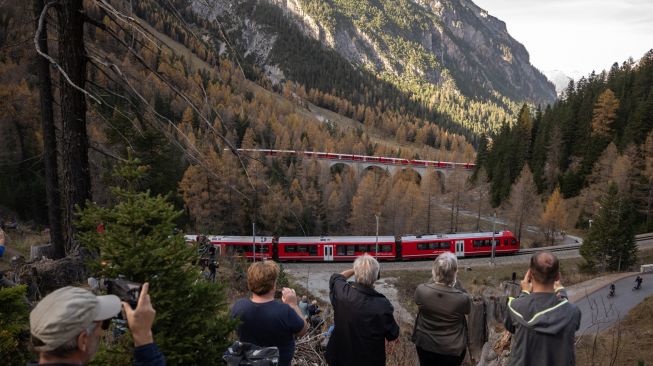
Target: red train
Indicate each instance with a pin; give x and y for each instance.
(362, 158)
(347, 248)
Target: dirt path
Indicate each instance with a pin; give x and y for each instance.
(317, 283)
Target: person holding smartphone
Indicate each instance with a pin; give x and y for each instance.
(542, 319)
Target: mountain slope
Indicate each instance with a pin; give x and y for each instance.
(413, 45)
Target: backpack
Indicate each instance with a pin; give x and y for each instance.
(247, 354)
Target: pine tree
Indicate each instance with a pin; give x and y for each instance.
(610, 244)
(14, 326)
(192, 324)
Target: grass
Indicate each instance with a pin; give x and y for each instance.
(629, 343)
(20, 242)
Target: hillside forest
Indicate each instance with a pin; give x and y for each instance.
(600, 132)
(181, 107)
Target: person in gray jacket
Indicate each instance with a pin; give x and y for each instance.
(542, 319)
(440, 333)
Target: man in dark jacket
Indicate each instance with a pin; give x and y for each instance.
(363, 318)
(542, 319)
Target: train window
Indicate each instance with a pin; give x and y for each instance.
(434, 246)
(312, 249)
(291, 249)
(514, 241)
(385, 248)
(302, 249)
(482, 243)
(351, 249)
(361, 248)
(262, 249)
(422, 246)
(340, 250)
(445, 245)
(372, 248)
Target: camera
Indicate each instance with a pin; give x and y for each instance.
(127, 291)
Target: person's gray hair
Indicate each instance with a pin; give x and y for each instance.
(65, 350)
(366, 270)
(445, 268)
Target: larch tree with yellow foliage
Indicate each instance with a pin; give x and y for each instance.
(554, 217)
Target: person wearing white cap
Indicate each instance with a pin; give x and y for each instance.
(66, 326)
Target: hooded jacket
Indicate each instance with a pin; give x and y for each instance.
(544, 326)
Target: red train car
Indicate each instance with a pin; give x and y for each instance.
(463, 245)
(347, 248)
(334, 248)
(243, 245)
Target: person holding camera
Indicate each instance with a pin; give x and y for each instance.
(542, 319)
(265, 322)
(66, 327)
(363, 318)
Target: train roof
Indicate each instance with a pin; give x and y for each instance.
(346, 239)
(455, 236)
(335, 239)
(238, 239)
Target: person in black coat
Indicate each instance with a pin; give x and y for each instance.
(363, 318)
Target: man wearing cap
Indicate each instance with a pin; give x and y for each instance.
(67, 325)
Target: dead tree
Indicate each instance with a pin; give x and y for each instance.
(49, 138)
(76, 182)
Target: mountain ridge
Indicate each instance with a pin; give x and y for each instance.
(414, 42)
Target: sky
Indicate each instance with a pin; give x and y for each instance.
(577, 36)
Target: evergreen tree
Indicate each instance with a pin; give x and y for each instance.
(14, 326)
(192, 325)
(610, 244)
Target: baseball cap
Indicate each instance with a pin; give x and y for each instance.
(66, 312)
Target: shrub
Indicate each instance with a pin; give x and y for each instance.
(192, 324)
(14, 326)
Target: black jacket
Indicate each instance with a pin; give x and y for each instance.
(544, 325)
(363, 322)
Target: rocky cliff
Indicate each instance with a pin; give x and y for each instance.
(413, 44)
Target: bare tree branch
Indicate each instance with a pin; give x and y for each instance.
(52, 61)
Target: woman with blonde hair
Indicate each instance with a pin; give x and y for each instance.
(440, 333)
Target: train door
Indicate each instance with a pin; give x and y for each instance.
(328, 253)
(398, 248)
(460, 248)
(275, 248)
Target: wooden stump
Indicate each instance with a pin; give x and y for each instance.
(477, 328)
(40, 251)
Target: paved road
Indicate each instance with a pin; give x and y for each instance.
(600, 312)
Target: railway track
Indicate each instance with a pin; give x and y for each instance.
(560, 248)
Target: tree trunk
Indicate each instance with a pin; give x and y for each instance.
(49, 140)
(76, 177)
